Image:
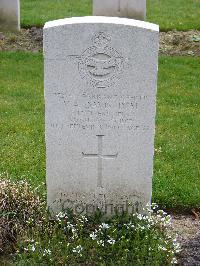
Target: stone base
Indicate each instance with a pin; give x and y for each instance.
(135, 9)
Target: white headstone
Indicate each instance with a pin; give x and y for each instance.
(9, 15)
(100, 94)
(135, 9)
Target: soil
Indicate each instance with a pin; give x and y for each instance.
(180, 43)
(29, 40)
(173, 43)
(188, 235)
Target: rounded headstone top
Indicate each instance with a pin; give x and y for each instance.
(102, 20)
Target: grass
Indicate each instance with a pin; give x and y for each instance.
(169, 14)
(176, 182)
(37, 12)
(22, 116)
(177, 168)
(174, 14)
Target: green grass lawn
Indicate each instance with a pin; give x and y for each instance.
(174, 14)
(22, 116)
(177, 161)
(176, 181)
(37, 12)
(169, 14)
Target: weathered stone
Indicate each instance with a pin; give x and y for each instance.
(135, 9)
(9, 15)
(100, 92)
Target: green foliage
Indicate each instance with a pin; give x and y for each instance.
(37, 12)
(177, 169)
(28, 233)
(169, 14)
(178, 14)
(19, 202)
(126, 240)
(22, 116)
(176, 182)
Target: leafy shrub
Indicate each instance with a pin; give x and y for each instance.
(35, 239)
(18, 203)
(121, 240)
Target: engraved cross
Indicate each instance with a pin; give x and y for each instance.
(100, 158)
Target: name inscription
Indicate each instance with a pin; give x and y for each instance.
(90, 111)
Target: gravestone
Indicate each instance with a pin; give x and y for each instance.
(9, 15)
(100, 94)
(135, 9)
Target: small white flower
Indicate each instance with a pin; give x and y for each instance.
(162, 248)
(154, 206)
(73, 230)
(93, 236)
(70, 226)
(75, 235)
(177, 246)
(61, 215)
(100, 242)
(111, 241)
(161, 213)
(128, 225)
(47, 252)
(33, 248)
(104, 226)
(174, 261)
(78, 249)
(30, 220)
(139, 216)
(84, 218)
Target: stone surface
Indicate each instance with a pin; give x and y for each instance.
(9, 15)
(135, 9)
(100, 94)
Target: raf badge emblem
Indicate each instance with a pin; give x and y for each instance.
(101, 65)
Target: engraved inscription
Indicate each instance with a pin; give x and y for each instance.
(101, 65)
(93, 111)
(100, 157)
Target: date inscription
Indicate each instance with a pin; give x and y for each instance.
(104, 111)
